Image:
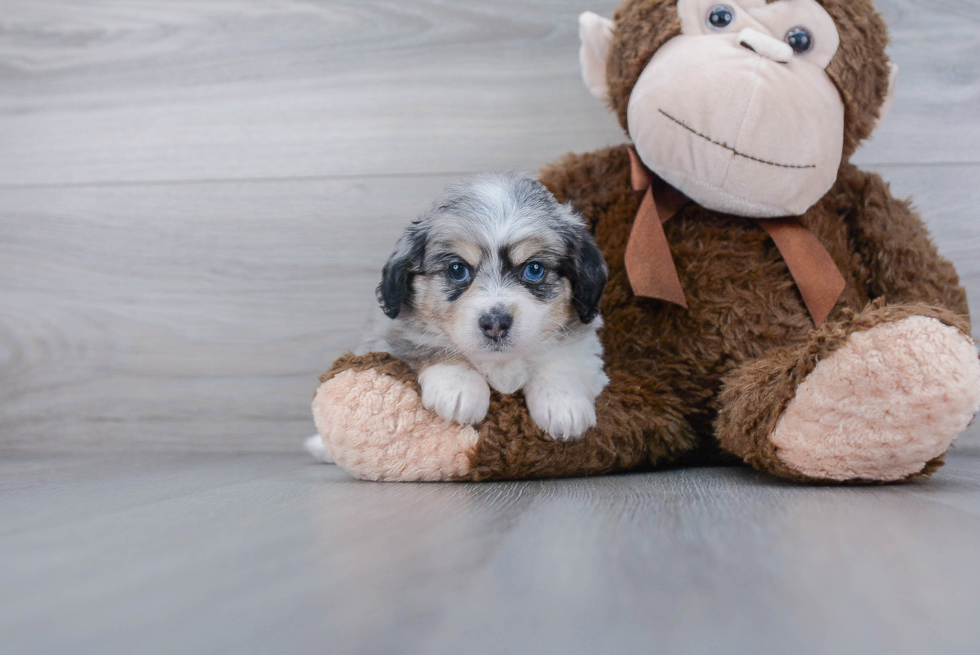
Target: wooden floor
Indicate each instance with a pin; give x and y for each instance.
(266, 553)
(196, 197)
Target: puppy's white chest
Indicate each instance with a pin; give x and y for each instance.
(506, 377)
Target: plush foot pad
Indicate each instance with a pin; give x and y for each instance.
(879, 409)
(376, 428)
(892, 399)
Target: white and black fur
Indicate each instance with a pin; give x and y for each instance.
(498, 285)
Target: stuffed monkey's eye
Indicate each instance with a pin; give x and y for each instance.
(800, 40)
(459, 272)
(534, 272)
(720, 17)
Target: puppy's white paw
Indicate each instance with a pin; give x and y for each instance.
(562, 414)
(455, 392)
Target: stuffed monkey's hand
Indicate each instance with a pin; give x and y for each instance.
(455, 392)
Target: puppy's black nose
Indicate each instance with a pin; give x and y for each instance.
(496, 324)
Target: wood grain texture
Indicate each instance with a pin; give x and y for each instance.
(106, 91)
(273, 554)
(196, 197)
(151, 91)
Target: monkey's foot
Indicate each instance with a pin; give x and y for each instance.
(884, 406)
(373, 423)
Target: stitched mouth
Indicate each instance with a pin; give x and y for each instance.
(729, 148)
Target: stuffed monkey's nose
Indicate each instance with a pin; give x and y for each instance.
(765, 45)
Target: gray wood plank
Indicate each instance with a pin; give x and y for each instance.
(934, 117)
(273, 554)
(959, 484)
(143, 91)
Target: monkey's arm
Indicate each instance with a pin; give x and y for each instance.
(902, 263)
(370, 415)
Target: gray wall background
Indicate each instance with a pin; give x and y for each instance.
(196, 197)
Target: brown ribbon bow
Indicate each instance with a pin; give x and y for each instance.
(651, 269)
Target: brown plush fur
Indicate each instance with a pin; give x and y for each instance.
(718, 374)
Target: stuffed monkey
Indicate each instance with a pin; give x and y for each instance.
(767, 300)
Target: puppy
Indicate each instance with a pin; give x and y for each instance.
(498, 286)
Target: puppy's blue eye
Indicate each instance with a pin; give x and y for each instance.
(720, 17)
(534, 272)
(459, 272)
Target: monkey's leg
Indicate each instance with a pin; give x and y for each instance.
(875, 397)
(369, 412)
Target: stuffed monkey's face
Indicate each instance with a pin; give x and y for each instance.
(738, 112)
(730, 114)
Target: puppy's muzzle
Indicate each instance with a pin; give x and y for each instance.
(496, 324)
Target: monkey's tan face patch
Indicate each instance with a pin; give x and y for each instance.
(731, 124)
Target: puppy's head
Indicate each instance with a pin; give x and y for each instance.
(498, 266)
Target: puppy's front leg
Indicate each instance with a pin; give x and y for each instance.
(456, 392)
(563, 387)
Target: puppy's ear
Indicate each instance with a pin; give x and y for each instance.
(395, 290)
(587, 272)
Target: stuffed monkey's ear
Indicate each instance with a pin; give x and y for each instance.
(405, 263)
(890, 97)
(596, 33)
